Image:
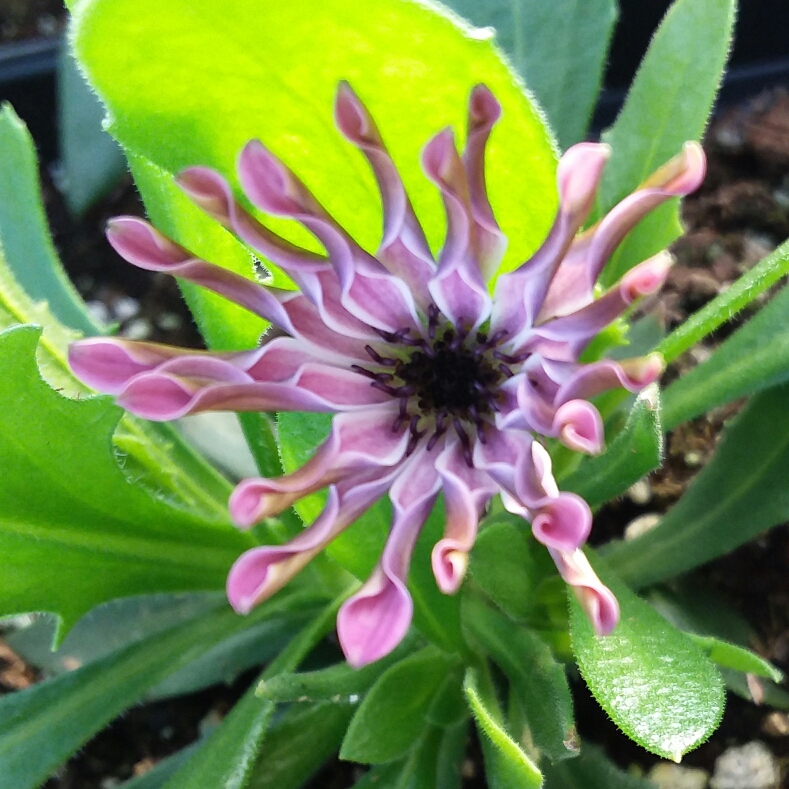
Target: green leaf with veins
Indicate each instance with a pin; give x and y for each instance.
(190, 83)
(65, 504)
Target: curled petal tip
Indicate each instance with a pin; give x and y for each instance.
(484, 108)
(578, 176)
(644, 370)
(208, 190)
(350, 115)
(141, 244)
(580, 427)
(647, 277)
(439, 155)
(255, 576)
(563, 523)
(266, 181)
(251, 501)
(682, 174)
(449, 566)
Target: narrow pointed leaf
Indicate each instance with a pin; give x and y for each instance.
(669, 102)
(394, 713)
(40, 727)
(740, 493)
(727, 655)
(506, 765)
(296, 747)
(561, 62)
(755, 357)
(652, 680)
(536, 677)
(23, 228)
(592, 770)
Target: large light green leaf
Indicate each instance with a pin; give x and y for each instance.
(740, 493)
(73, 531)
(23, 228)
(653, 681)
(190, 82)
(755, 357)
(668, 103)
(558, 48)
(40, 727)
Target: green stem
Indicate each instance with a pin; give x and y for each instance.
(721, 309)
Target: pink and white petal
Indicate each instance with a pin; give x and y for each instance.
(519, 465)
(678, 177)
(106, 364)
(520, 294)
(309, 326)
(213, 194)
(144, 246)
(467, 492)
(458, 287)
(372, 622)
(357, 443)
(563, 522)
(367, 290)
(579, 327)
(579, 426)
(404, 250)
(260, 572)
(596, 599)
(593, 379)
(483, 112)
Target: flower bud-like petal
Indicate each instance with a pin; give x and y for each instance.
(563, 523)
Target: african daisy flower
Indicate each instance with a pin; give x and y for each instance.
(435, 386)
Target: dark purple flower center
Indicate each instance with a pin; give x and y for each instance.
(450, 379)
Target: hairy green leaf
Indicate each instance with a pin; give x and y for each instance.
(558, 48)
(393, 715)
(506, 765)
(669, 102)
(656, 685)
(741, 492)
(755, 357)
(537, 679)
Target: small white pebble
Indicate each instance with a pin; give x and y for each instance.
(169, 321)
(110, 783)
(641, 525)
(692, 459)
(750, 766)
(673, 776)
(98, 311)
(137, 329)
(640, 492)
(781, 196)
(125, 308)
(700, 354)
(47, 25)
